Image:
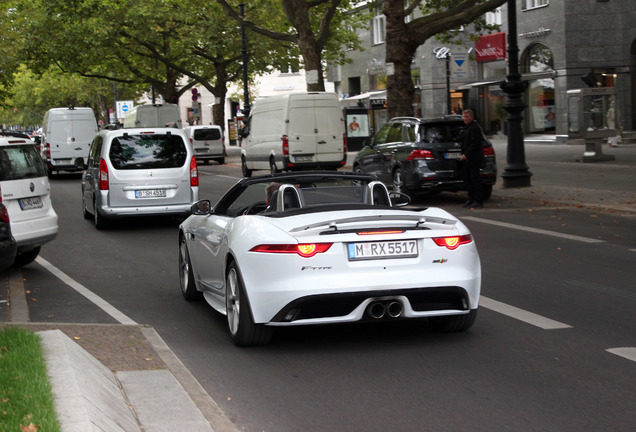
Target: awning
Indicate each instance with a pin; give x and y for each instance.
(478, 84)
(368, 95)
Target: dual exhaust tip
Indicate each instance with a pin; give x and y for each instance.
(381, 309)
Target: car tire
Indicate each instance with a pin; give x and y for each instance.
(357, 169)
(398, 183)
(272, 167)
(453, 323)
(24, 258)
(186, 275)
(486, 191)
(85, 213)
(239, 315)
(246, 171)
(100, 221)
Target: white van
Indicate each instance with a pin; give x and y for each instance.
(157, 115)
(66, 138)
(208, 142)
(294, 131)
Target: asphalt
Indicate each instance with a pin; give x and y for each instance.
(89, 396)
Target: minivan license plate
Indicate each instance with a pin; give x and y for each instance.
(150, 193)
(30, 203)
(384, 249)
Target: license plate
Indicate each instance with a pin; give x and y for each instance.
(150, 193)
(455, 155)
(30, 203)
(303, 158)
(62, 161)
(385, 249)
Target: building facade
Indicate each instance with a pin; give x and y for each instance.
(563, 45)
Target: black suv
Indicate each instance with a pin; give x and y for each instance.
(422, 155)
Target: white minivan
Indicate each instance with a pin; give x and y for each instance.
(153, 115)
(66, 138)
(295, 131)
(26, 193)
(207, 142)
(139, 172)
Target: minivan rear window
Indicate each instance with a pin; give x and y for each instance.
(206, 134)
(129, 152)
(21, 161)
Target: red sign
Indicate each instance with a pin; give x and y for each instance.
(491, 47)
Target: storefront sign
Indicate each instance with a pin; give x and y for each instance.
(491, 47)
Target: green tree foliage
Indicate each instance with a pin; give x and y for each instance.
(403, 39)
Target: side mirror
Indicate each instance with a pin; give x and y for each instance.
(399, 199)
(201, 208)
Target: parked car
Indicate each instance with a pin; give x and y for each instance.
(296, 131)
(330, 247)
(26, 193)
(139, 172)
(208, 143)
(422, 155)
(8, 246)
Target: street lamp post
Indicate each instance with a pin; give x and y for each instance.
(246, 94)
(516, 173)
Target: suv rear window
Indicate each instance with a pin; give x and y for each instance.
(131, 152)
(206, 134)
(21, 161)
(442, 132)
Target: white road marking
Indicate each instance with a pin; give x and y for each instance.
(97, 300)
(629, 353)
(535, 230)
(521, 315)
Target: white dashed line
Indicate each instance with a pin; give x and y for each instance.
(535, 230)
(629, 353)
(521, 315)
(97, 300)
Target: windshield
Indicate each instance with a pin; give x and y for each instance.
(146, 151)
(21, 161)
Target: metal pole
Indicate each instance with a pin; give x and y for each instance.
(246, 94)
(516, 173)
(448, 98)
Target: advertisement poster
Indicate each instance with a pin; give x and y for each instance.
(357, 125)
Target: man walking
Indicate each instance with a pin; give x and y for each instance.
(471, 160)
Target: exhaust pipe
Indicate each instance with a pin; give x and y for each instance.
(394, 309)
(376, 310)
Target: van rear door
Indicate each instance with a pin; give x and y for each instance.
(316, 129)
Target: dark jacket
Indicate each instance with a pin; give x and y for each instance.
(471, 144)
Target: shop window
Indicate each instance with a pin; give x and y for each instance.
(541, 109)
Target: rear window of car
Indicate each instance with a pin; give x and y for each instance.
(442, 132)
(129, 152)
(207, 134)
(21, 161)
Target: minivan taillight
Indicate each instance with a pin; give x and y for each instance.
(47, 153)
(194, 173)
(103, 175)
(344, 142)
(285, 145)
(420, 154)
(4, 215)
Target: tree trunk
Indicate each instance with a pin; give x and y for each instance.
(399, 52)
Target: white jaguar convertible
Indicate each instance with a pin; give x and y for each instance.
(326, 247)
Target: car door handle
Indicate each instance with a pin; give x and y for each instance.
(322, 142)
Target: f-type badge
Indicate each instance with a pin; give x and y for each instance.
(440, 261)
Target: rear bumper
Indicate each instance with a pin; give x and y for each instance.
(159, 210)
(35, 232)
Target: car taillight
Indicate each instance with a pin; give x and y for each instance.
(453, 242)
(194, 172)
(4, 214)
(47, 153)
(191, 142)
(0, 193)
(489, 151)
(103, 175)
(285, 145)
(305, 250)
(344, 142)
(420, 154)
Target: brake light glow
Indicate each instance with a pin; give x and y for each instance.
(489, 151)
(420, 154)
(453, 242)
(380, 232)
(305, 250)
(194, 173)
(103, 175)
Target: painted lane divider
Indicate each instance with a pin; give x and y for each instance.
(521, 315)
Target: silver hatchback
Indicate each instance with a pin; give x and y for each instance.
(139, 172)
